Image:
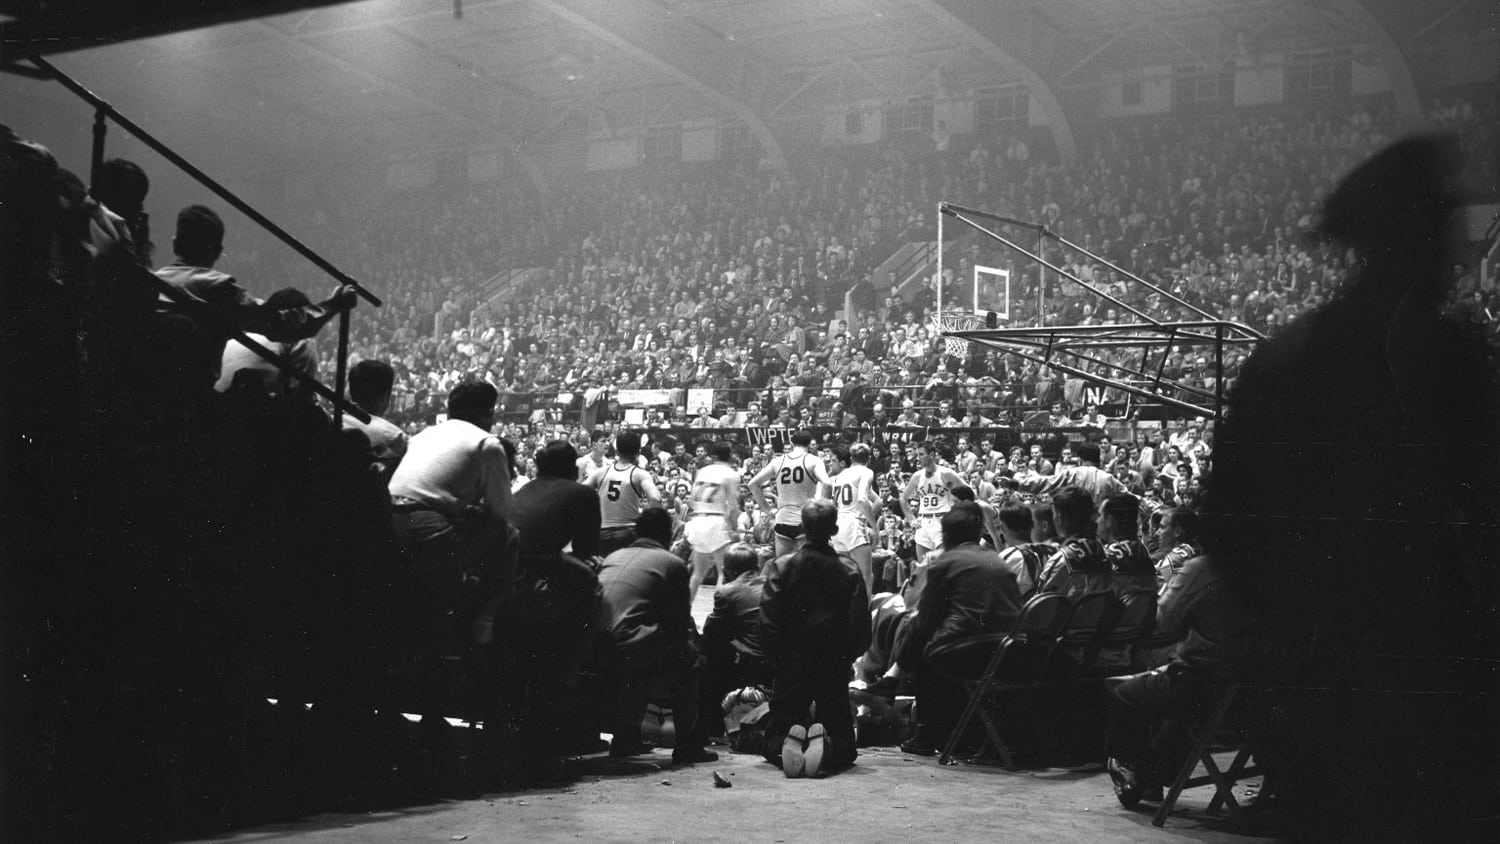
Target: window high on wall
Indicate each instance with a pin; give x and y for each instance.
(1318, 75)
(1003, 107)
(1197, 87)
(737, 142)
(913, 116)
(662, 145)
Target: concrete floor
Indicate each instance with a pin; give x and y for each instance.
(887, 796)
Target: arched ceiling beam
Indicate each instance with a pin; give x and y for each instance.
(679, 46)
(484, 127)
(975, 22)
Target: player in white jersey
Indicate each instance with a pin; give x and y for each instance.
(927, 497)
(853, 493)
(595, 460)
(716, 504)
(796, 475)
(624, 491)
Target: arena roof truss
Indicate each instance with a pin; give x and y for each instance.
(1092, 352)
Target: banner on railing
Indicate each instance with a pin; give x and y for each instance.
(700, 398)
(776, 438)
(648, 398)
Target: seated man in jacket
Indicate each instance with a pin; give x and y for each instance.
(549, 628)
(970, 601)
(1079, 566)
(650, 615)
(731, 635)
(1129, 559)
(814, 623)
(1212, 628)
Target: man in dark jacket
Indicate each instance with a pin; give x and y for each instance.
(814, 623)
(731, 635)
(1079, 565)
(970, 600)
(554, 618)
(650, 616)
(1212, 628)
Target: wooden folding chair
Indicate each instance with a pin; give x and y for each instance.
(1222, 780)
(1018, 660)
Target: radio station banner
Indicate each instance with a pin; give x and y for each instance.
(648, 398)
(777, 438)
(699, 397)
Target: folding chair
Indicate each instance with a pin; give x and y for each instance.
(1092, 619)
(1222, 780)
(1134, 619)
(1020, 656)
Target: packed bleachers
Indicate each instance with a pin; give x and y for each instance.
(682, 277)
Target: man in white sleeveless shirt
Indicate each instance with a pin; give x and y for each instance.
(852, 492)
(716, 504)
(927, 497)
(796, 475)
(625, 490)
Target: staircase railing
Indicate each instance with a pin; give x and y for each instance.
(104, 112)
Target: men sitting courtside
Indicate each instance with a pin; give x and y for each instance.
(1078, 567)
(970, 598)
(650, 615)
(733, 658)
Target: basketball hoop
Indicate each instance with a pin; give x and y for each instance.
(946, 322)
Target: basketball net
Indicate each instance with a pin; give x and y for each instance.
(945, 321)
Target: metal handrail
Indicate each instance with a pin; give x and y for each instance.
(103, 110)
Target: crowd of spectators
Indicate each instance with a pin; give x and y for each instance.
(694, 276)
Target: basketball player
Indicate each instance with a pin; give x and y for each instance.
(716, 503)
(595, 460)
(852, 492)
(625, 490)
(796, 475)
(931, 490)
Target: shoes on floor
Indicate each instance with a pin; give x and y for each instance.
(693, 756)
(812, 756)
(793, 760)
(919, 745)
(1127, 786)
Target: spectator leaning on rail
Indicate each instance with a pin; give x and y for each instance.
(216, 303)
